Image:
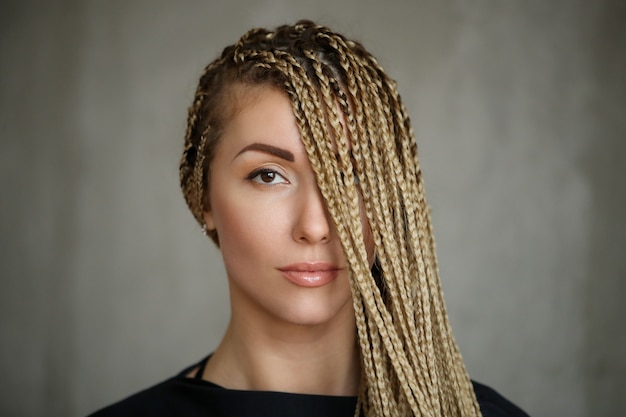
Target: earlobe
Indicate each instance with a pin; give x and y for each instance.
(209, 222)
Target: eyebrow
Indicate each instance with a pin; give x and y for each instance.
(269, 149)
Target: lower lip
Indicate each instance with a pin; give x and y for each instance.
(311, 279)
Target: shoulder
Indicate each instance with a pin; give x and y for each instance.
(153, 401)
(181, 396)
(163, 399)
(492, 404)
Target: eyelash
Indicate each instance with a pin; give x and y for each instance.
(258, 172)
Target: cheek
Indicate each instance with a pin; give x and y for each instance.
(241, 228)
(248, 228)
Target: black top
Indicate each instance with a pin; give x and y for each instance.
(195, 397)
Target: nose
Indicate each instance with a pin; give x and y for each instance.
(312, 222)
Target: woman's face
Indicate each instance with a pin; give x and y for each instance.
(282, 255)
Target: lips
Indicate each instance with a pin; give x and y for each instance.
(310, 274)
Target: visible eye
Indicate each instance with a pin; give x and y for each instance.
(267, 176)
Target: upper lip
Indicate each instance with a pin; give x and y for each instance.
(310, 267)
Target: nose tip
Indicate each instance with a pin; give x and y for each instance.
(313, 223)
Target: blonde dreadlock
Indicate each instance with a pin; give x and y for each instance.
(411, 365)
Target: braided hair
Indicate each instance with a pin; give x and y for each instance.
(346, 105)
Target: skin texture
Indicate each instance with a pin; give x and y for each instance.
(269, 215)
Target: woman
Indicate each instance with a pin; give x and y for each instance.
(300, 163)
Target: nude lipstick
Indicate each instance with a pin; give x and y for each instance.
(310, 274)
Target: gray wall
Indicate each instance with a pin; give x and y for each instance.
(108, 286)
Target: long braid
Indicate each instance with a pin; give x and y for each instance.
(392, 288)
(360, 144)
(380, 380)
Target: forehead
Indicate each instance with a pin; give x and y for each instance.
(258, 115)
(237, 96)
(240, 95)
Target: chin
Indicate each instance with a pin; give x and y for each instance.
(310, 313)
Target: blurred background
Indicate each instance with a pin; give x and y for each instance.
(107, 285)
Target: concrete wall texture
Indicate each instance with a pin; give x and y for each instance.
(107, 285)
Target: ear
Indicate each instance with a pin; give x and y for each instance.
(209, 221)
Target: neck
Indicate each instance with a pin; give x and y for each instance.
(321, 359)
